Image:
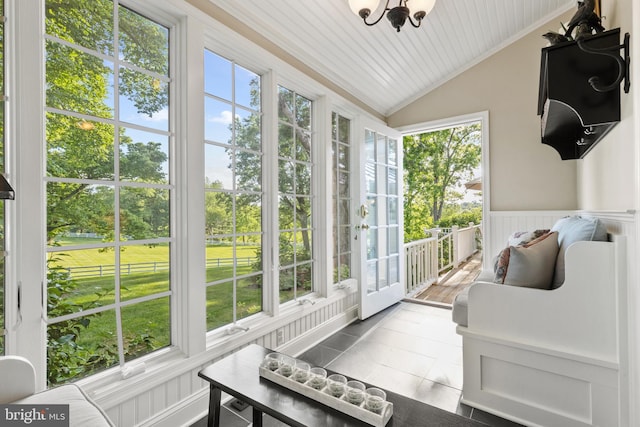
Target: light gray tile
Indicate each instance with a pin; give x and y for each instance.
(446, 373)
(320, 355)
(354, 365)
(340, 341)
(438, 395)
(408, 362)
(394, 380)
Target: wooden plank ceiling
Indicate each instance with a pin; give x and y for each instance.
(383, 68)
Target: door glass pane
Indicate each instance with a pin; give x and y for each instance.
(393, 150)
(372, 276)
(383, 280)
(394, 271)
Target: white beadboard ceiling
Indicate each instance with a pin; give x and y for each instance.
(384, 69)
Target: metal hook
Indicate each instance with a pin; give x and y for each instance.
(623, 64)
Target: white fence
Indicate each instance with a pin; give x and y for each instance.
(425, 259)
(148, 267)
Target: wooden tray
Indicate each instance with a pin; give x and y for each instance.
(337, 403)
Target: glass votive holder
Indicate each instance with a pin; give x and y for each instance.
(318, 378)
(336, 384)
(355, 392)
(287, 365)
(272, 361)
(301, 373)
(374, 399)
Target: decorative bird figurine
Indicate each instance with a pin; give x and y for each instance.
(595, 22)
(584, 13)
(555, 38)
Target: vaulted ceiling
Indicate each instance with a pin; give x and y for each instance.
(384, 69)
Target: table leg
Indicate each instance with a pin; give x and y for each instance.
(213, 420)
(257, 418)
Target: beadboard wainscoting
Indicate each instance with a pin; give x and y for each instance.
(171, 394)
(503, 223)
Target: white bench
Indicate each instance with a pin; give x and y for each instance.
(549, 357)
(18, 386)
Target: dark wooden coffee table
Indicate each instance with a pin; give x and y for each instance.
(238, 375)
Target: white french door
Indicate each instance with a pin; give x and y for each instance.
(378, 219)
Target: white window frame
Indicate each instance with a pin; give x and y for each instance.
(233, 105)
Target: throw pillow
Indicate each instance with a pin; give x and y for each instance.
(570, 230)
(530, 265)
(520, 238)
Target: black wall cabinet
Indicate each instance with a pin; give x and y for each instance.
(574, 114)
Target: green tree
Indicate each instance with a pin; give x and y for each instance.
(217, 210)
(434, 164)
(80, 82)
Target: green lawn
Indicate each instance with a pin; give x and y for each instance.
(138, 254)
(153, 317)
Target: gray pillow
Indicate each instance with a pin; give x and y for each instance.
(574, 229)
(533, 266)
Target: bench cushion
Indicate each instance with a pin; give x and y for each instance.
(83, 411)
(460, 306)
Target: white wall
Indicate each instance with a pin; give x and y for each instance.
(606, 176)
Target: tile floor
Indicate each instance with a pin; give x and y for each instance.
(411, 349)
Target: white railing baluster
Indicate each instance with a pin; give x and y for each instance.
(426, 258)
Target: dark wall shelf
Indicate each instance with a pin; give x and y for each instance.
(575, 110)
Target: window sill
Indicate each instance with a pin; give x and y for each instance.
(109, 388)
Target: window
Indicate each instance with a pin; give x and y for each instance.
(295, 165)
(2, 133)
(108, 186)
(233, 191)
(341, 174)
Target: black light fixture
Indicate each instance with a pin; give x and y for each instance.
(6, 191)
(398, 15)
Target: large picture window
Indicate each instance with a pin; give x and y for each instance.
(295, 168)
(108, 186)
(233, 191)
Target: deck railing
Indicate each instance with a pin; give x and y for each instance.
(425, 259)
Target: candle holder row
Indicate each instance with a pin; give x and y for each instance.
(336, 391)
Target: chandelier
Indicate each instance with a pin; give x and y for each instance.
(398, 15)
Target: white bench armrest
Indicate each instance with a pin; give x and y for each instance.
(18, 378)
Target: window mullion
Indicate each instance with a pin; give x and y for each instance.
(270, 179)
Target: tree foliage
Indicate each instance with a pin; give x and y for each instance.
(434, 164)
(81, 82)
(85, 156)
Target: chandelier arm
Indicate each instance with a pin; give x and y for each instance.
(412, 23)
(386, 8)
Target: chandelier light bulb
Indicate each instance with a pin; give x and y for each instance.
(363, 7)
(420, 8)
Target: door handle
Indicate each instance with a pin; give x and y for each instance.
(363, 226)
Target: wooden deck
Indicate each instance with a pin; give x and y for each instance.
(452, 283)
